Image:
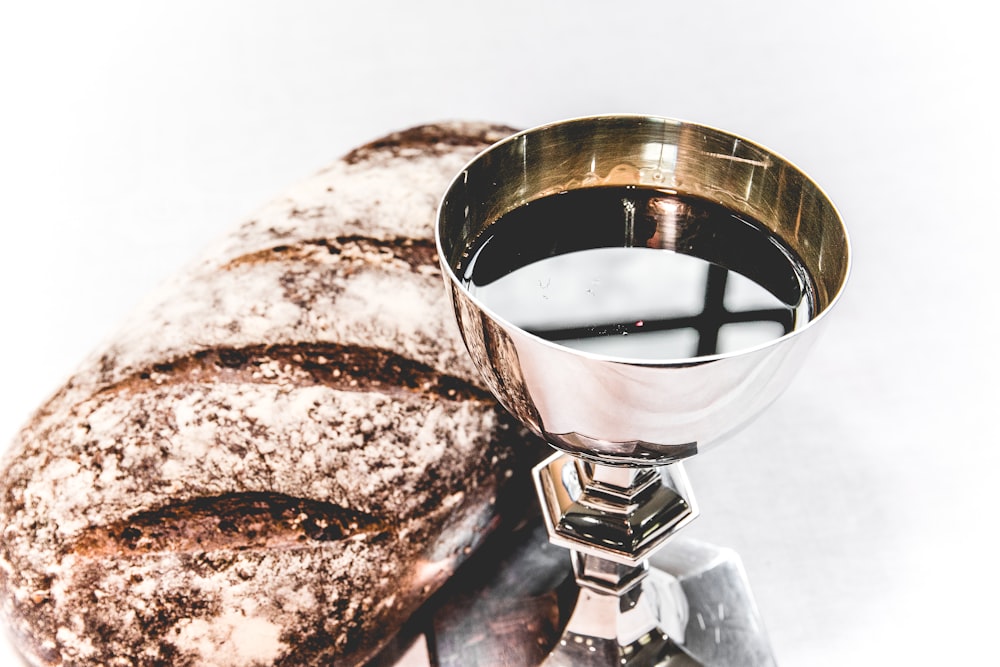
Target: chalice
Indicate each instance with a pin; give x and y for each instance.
(635, 289)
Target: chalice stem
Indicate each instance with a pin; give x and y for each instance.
(622, 514)
(627, 615)
(612, 518)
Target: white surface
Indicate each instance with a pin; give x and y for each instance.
(862, 502)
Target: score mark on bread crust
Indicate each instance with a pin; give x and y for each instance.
(341, 367)
(231, 521)
(417, 253)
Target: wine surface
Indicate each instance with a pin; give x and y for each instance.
(637, 273)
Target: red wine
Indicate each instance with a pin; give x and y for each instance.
(638, 273)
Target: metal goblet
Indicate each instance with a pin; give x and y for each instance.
(617, 492)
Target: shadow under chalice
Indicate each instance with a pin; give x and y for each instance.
(509, 605)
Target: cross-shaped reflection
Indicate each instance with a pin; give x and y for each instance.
(705, 325)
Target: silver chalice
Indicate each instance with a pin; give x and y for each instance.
(635, 289)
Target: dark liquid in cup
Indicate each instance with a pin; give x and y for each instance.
(638, 273)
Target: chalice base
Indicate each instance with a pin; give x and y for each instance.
(513, 605)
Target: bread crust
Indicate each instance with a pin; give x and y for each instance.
(281, 454)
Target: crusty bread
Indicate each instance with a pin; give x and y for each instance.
(282, 453)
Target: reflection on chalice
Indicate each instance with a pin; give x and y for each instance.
(634, 289)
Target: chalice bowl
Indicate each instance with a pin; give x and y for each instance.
(635, 289)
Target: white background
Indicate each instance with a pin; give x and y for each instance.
(863, 502)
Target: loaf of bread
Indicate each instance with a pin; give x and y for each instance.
(281, 455)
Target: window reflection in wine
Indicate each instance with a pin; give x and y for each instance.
(638, 273)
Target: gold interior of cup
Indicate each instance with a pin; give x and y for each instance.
(653, 152)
